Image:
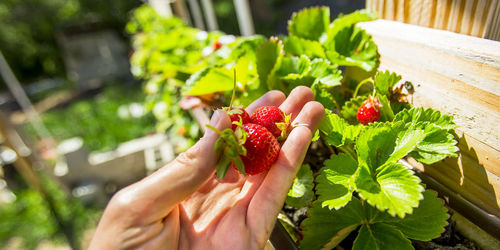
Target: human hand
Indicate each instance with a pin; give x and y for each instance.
(183, 205)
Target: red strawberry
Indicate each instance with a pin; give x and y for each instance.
(273, 119)
(262, 149)
(217, 45)
(251, 149)
(238, 114)
(369, 111)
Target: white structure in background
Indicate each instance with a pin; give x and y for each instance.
(242, 11)
(94, 172)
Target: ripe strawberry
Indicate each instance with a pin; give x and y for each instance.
(272, 118)
(262, 149)
(237, 115)
(251, 149)
(217, 45)
(369, 111)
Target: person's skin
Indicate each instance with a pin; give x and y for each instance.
(183, 205)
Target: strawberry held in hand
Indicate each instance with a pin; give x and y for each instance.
(238, 115)
(251, 148)
(369, 111)
(273, 119)
(262, 149)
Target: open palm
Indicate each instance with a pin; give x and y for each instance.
(183, 205)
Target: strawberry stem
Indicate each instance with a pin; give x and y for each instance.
(367, 80)
(234, 89)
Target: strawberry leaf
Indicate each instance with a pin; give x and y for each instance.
(427, 220)
(439, 141)
(381, 236)
(209, 80)
(384, 81)
(382, 182)
(338, 132)
(349, 20)
(437, 145)
(325, 72)
(350, 109)
(269, 58)
(325, 228)
(336, 181)
(352, 46)
(301, 192)
(386, 113)
(324, 95)
(300, 46)
(311, 23)
(416, 115)
(385, 142)
(392, 187)
(348, 45)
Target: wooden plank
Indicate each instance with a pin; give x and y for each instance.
(415, 12)
(426, 13)
(460, 76)
(481, 11)
(442, 13)
(468, 17)
(456, 11)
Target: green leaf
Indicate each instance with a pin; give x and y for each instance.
(336, 181)
(380, 236)
(349, 20)
(350, 109)
(300, 46)
(385, 142)
(392, 187)
(407, 140)
(209, 80)
(427, 220)
(349, 45)
(337, 132)
(437, 145)
(269, 58)
(384, 81)
(415, 115)
(311, 23)
(323, 95)
(352, 46)
(325, 228)
(325, 72)
(386, 113)
(301, 192)
(439, 141)
(292, 68)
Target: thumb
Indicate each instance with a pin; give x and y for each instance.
(156, 195)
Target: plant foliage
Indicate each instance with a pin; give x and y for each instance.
(361, 186)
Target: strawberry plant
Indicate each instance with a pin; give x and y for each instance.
(352, 181)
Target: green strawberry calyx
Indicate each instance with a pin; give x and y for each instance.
(230, 146)
(284, 126)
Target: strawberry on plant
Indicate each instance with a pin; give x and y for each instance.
(369, 111)
(217, 45)
(273, 119)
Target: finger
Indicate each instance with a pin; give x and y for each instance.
(296, 100)
(271, 98)
(154, 196)
(269, 198)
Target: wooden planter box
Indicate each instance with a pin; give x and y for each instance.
(460, 76)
